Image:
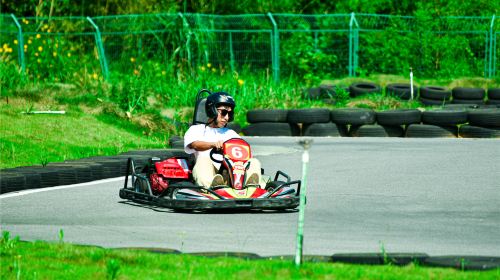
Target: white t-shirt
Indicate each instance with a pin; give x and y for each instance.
(202, 132)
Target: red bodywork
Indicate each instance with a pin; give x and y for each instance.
(172, 168)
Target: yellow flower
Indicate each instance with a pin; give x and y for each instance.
(202, 68)
(9, 50)
(29, 42)
(15, 42)
(36, 54)
(136, 72)
(48, 31)
(27, 22)
(39, 60)
(40, 48)
(95, 76)
(1, 50)
(241, 82)
(69, 54)
(54, 54)
(38, 36)
(209, 65)
(164, 72)
(132, 59)
(45, 26)
(5, 46)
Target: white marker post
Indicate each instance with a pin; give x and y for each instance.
(411, 82)
(306, 143)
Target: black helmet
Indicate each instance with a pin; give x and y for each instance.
(216, 99)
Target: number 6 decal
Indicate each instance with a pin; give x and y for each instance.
(238, 152)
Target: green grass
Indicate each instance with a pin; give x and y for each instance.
(42, 260)
(38, 139)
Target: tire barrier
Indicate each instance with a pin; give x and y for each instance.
(361, 122)
(431, 131)
(436, 93)
(324, 129)
(271, 129)
(399, 117)
(494, 94)
(353, 116)
(402, 91)
(361, 88)
(375, 130)
(270, 115)
(78, 171)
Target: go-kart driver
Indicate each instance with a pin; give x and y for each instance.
(202, 138)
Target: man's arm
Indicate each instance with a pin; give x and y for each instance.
(203, 146)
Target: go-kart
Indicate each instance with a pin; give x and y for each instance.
(169, 183)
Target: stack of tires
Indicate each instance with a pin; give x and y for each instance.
(434, 95)
(401, 90)
(315, 122)
(463, 95)
(361, 88)
(482, 123)
(438, 123)
(494, 97)
(273, 122)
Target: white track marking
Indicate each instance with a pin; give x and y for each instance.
(26, 192)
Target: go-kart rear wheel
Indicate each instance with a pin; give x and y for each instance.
(140, 186)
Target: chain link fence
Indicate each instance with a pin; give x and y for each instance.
(275, 45)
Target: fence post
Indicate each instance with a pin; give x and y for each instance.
(275, 49)
(492, 66)
(20, 51)
(100, 49)
(188, 40)
(353, 45)
(231, 52)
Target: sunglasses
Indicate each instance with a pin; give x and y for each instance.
(224, 112)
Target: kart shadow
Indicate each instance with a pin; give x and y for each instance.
(214, 211)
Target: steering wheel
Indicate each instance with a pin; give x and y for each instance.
(215, 152)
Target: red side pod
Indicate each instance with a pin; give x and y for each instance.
(173, 168)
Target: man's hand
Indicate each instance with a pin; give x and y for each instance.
(218, 145)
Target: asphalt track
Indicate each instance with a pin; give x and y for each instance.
(434, 196)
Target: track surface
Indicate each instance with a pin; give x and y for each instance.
(435, 196)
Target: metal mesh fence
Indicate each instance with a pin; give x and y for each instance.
(284, 45)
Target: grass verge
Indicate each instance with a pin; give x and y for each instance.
(42, 260)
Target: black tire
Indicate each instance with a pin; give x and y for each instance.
(315, 115)
(402, 91)
(433, 102)
(443, 117)
(234, 126)
(493, 102)
(430, 131)
(324, 129)
(468, 93)
(494, 93)
(375, 130)
(470, 131)
(353, 116)
(468, 101)
(360, 88)
(267, 115)
(485, 117)
(398, 117)
(271, 129)
(464, 262)
(11, 181)
(435, 93)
